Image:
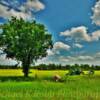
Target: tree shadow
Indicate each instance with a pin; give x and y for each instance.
(15, 79)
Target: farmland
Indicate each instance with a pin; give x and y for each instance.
(41, 86)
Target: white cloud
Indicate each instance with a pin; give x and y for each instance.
(97, 55)
(4, 61)
(81, 34)
(50, 52)
(63, 59)
(78, 45)
(25, 10)
(77, 58)
(96, 35)
(85, 58)
(61, 45)
(57, 47)
(7, 14)
(34, 4)
(96, 13)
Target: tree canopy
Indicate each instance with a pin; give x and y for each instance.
(26, 41)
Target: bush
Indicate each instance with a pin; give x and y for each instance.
(75, 70)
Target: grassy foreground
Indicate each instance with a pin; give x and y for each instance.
(44, 88)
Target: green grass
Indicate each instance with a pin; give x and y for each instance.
(44, 88)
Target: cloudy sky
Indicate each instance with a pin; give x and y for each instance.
(74, 25)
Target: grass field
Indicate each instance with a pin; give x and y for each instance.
(14, 87)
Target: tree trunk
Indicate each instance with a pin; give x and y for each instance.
(26, 64)
(25, 71)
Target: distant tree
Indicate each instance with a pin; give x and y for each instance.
(26, 41)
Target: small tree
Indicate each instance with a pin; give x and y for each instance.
(25, 41)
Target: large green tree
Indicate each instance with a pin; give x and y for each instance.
(26, 41)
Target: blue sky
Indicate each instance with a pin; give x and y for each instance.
(74, 25)
(62, 14)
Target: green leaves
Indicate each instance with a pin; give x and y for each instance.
(25, 39)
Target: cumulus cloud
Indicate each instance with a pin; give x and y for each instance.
(57, 47)
(4, 61)
(50, 52)
(78, 45)
(96, 35)
(33, 4)
(14, 8)
(7, 14)
(61, 45)
(81, 34)
(96, 13)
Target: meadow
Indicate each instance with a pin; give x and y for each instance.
(41, 86)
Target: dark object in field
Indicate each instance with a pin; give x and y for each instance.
(91, 72)
(56, 78)
(75, 72)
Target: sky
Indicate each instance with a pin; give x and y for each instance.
(74, 25)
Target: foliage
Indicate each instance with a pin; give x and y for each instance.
(75, 70)
(26, 41)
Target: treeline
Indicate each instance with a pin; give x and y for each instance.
(9, 67)
(55, 67)
(66, 67)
